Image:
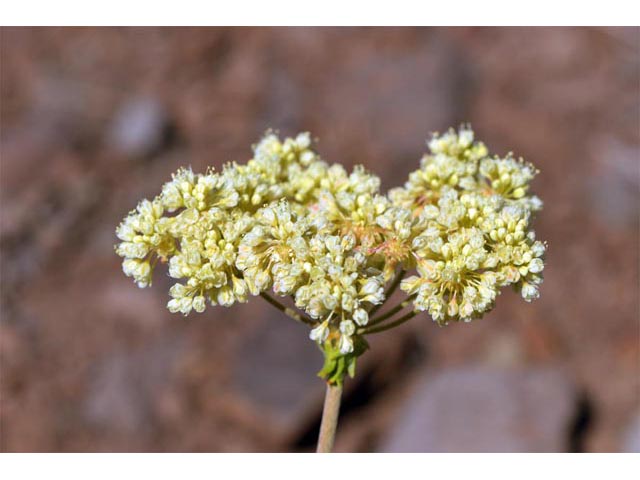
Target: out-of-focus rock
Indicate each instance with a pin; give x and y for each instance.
(124, 385)
(283, 105)
(138, 127)
(615, 191)
(486, 410)
(631, 442)
(276, 370)
(396, 98)
(504, 350)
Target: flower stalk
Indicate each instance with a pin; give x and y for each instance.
(406, 317)
(329, 422)
(289, 312)
(391, 311)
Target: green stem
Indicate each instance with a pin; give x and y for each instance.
(387, 326)
(329, 422)
(391, 312)
(392, 288)
(289, 312)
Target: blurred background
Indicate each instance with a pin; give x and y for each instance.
(94, 119)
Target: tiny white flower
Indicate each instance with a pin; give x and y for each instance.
(320, 333)
(361, 317)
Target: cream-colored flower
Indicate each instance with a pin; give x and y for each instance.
(289, 222)
(275, 252)
(146, 238)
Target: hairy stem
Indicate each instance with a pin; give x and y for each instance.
(330, 414)
(387, 326)
(392, 288)
(289, 312)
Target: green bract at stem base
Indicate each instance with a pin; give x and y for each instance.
(338, 365)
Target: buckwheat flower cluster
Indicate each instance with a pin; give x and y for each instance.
(328, 248)
(476, 237)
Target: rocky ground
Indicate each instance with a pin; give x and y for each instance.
(95, 119)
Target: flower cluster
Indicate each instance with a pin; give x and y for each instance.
(289, 223)
(475, 232)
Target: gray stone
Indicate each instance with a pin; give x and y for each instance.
(631, 443)
(283, 104)
(396, 98)
(138, 127)
(483, 409)
(276, 370)
(124, 385)
(614, 192)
